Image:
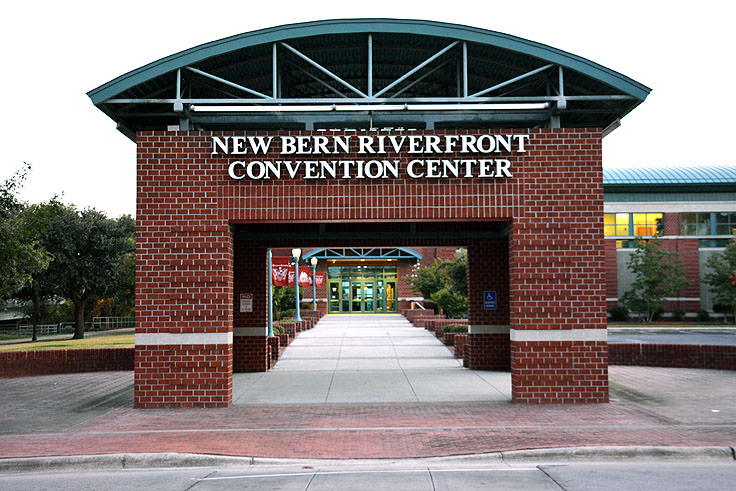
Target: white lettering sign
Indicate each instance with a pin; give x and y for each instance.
(281, 157)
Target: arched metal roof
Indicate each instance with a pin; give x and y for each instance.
(369, 73)
(670, 175)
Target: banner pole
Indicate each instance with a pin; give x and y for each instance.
(270, 294)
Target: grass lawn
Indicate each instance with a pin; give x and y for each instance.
(113, 341)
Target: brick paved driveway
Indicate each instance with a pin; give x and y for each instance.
(93, 414)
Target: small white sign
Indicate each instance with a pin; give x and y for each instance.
(246, 302)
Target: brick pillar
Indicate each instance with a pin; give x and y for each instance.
(250, 329)
(611, 273)
(559, 349)
(184, 290)
(487, 345)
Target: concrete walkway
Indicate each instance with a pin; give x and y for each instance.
(368, 358)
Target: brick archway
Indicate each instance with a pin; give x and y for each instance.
(193, 221)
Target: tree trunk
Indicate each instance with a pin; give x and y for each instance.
(79, 318)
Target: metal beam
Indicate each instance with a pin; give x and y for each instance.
(418, 67)
(370, 65)
(465, 69)
(511, 81)
(227, 82)
(274, 72)
(377, 100)
(321, 82)
(412, 84)
(322, 69)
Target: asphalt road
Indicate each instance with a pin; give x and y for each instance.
(567, 476)
(673, 336)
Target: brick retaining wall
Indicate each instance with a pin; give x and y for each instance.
(673, 355)
(50, 362)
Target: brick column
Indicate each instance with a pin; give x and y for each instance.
(183, 336)
(559, 349)
(487, 346)
(250, 329)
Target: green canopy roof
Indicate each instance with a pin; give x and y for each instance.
(377, 73)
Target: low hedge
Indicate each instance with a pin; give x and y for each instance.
(455, 328)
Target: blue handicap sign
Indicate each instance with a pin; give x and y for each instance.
(489, 300)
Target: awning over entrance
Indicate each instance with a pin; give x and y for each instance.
(369, 73)
(363, 253)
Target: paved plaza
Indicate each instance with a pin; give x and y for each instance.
(361, 389)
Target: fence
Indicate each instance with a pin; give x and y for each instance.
(97, 324)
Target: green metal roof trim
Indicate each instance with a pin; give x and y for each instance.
(716, 175)
(351, 26)
(364, 253)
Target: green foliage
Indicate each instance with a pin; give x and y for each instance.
(722, 278)
(284, 300)
(92, 258)
(456, 328)
(22, 255)
(451, 302)
(619, 313)
(678, 315)
(658, 274)
(277, 329)
(703, 316)
(445, 283)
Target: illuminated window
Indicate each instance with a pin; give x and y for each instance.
(647, 223)
(632, 224)
(616, 224)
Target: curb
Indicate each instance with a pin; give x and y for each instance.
(538, 456)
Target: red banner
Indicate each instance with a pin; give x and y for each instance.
(319, 279)
(280, 271)
(305, 276)
(283, 274)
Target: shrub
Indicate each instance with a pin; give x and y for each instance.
(619, 313)
(455, 328)
(657, 314)
(287, 314)
(277, 329)
(678, 315)
(703, 316)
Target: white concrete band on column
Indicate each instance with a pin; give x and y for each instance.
(168, 338)
(250, 331)
(488, 329)
(559, 335)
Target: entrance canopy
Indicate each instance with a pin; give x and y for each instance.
(364, 253)
(369, 73)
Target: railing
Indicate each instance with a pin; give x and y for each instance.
(413, 303)
(107, 323)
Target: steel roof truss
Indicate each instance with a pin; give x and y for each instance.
(323, 69)
(418, 67)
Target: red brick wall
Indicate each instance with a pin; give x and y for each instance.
(49, 362)
(187, 204)
(183, 376)
(557, 274)
(673, 355)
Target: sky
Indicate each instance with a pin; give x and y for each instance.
(55, 52)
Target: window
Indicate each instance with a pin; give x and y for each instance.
(713, 223)
(632, 224)
(616, 224)
(695, 224)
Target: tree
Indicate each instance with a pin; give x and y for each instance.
(22, 255)
(88, 251)
(445, 283)
(722, 277)
(658, 274)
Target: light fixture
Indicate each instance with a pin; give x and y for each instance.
(313, 261)
(296, 253)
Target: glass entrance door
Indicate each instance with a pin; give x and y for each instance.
(362, 290)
